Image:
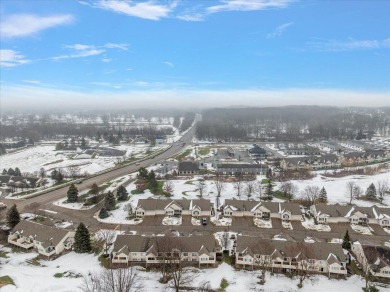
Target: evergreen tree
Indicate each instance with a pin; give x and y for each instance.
(60, 177)
(18, 172)
(109, 201)
(371, 192)
(151, 175)
(13, 217)
(323, 196)
(346, 241)
(143, 173)
(122, 194)
(269, 190)
(82, 240)
(83, 144)
(73, 194)
(103, 213)
(152, 184)
(5, 172)
(11, 171)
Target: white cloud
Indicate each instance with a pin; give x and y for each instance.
(81, 50)
(199, 12)
(279, 30)
(147, 10)
(169, 64)
(349, 45)
(32, 81)
(11, 58)
(116, 46)
(38, 97)
(21, 25)
(248, 5)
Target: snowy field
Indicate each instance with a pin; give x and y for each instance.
(34, 158)
(30, 278)
(336, 187)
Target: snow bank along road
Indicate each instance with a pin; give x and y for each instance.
(48, 198)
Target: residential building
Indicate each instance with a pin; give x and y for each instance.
(373, 259)
(260, 209)
(241, 169)
(257, 152)
(188, 167)
(310, 162)
(47, 240)
(355, 215)
(200, 250)
(152, 207)
(288, 256)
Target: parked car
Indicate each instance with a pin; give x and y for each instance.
(204, 221)
(3, 206)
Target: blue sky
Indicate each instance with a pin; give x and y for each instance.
(194, 53)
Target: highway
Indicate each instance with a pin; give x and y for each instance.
(46, 200)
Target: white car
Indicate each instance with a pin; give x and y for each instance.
(3, 206)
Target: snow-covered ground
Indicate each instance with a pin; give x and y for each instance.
(34, 158)
(309, 224)
(224, 221)
(29, 278)
(366, 230)
(261, 223)
(287, 225)
(171, 220)
(336, 187)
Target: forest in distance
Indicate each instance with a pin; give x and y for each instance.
(235, 124)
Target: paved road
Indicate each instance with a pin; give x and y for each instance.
(46, 200)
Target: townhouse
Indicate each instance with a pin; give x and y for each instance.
(288, 256)
(153, 207)
(47, 240)
(310, 163)
(260, 209)
(188, 167)
(241, 168)
(367, 157)
(352, 214)
(198, 250)
(374, 259)
(302, 151)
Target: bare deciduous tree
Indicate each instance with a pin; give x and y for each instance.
(73, 171)
(382, 188)
(306, 263)
(110, 280)
(201, 187)
(263, 262)
(350, 190)
(249, 189)
(168, 187)
(311, 194)
(106, 237)
(289, 189)
(219, 185)
(238, 184)
(204, 286)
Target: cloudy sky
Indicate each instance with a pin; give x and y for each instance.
(193, 53)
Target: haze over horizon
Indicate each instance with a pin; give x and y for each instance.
(178, 54)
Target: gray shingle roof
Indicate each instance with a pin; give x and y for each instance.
(188, 166)
(138, 243)
(316, 250)
(49, 236)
